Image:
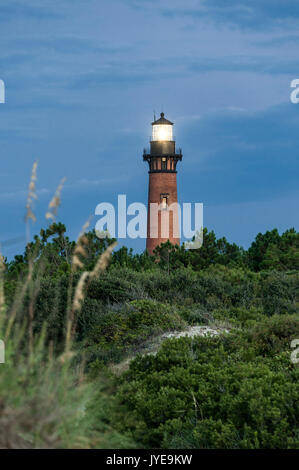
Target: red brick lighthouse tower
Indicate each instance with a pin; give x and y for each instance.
(162, 217)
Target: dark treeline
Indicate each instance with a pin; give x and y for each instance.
(269, 251)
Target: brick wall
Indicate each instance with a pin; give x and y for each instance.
(162, 183)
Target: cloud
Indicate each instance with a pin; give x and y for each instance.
(20, 195)
(242, 221)
(10, 10)
(255, 15)
(116, 77)
(85, 183)
(278, 41)
(243, 156)
(244, 63)
(67, 44)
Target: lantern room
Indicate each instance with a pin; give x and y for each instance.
(162, 130)
(162, 140)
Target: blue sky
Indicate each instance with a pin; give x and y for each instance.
(84, 76)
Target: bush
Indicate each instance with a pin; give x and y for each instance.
(195, 315)
(239, 391)
(273, 336)
(123, 328)
(240, 316)
(280, 293)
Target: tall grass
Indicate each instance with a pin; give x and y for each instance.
(43, 397)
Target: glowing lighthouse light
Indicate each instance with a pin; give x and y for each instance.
(162, 132)
(162, 129)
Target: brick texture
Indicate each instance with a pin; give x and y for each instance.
(167, 221)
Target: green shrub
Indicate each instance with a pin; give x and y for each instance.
(110, 288)
(124, 328)
(240, 316)
(273, 336)
(239, 391)
(280, 293)
(195, 315)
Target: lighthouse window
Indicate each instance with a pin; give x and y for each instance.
(164, 201)
(164, 164)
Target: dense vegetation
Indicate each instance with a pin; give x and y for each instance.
(236, 390)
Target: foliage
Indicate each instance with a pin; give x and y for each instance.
(269, 251)
(125, 327)
(43, 398)
(218, 292)
(45, 392)
(272, 251)
(217, 393)
(239, 390)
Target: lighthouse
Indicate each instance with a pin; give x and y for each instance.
(163, 212)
